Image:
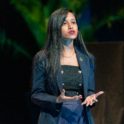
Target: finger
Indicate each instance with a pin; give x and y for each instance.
(68, 99)
(91, 103)
(88, 102)
(83, 103)
(95, 100)
(63, 90)
(75, 98)
(80, 96)
(62, 93)
(99, 93)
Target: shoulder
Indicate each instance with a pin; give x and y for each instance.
(39, 58)
(87, 54)
(92, 61)
(91, 56)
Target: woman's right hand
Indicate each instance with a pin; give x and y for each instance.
(63, 98)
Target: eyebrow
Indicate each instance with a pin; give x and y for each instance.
(72, 20)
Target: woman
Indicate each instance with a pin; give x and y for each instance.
(63, 74)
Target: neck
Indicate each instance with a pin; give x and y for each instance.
(68, 45)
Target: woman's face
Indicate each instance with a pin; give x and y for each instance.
(69, 27)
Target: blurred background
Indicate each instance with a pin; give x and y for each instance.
(23, 26)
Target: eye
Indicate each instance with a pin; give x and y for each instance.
(64, 23)
(73, 22)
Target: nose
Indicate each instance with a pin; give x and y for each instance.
(70, 26)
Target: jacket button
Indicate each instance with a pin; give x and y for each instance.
(62, 71)
(63, 84)
(79, 84)
(79, 71)
(77, 93)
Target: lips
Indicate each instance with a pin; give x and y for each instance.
(71, 32)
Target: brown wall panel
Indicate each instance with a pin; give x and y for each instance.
(109, 78)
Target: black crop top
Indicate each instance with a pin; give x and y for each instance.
(72, 80)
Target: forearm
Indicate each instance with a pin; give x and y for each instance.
(45, 100)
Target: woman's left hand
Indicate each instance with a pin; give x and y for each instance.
(92, 98)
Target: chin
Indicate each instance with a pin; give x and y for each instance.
(72, 37)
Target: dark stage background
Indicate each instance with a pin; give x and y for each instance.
(23, 26)
(16, 106)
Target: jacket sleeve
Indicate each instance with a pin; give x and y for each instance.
(39, 94)
(91, 80)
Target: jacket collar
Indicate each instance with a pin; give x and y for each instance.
(83, 62)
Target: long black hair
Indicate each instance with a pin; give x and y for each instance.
(53, 47)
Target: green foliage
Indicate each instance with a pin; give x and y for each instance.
(88, 31)
(37, 12)
(35, 15)
(12, 46)
(75, 5)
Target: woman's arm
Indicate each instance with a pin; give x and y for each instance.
(91, 97)
(39, 94)
(91, 79)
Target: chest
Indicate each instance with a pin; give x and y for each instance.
(72, 80)
(69, 61)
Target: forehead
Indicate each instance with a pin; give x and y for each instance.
(70, 16)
